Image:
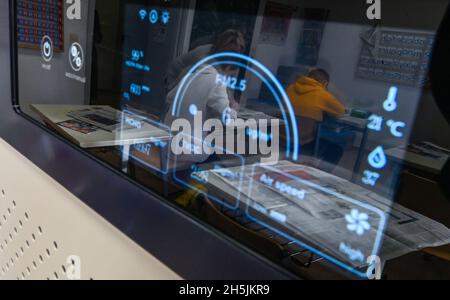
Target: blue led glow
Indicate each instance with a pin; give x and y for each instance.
(232, 82)
(191, 186)
(136, 55)
(291, 122)
(133, 122)
(358, 222)
(146, 89)
(257, 74)
(390, 104)
(193, 110)
(281, 218)
(137, 66)
(257, 134)
(370, 178)
(396, 128)
(375, 123)
(165, 17)
(377, 158)
(163, 169)
(153, 16)
(378, 238)
(135, 89)
(227, 116)
(143, 14)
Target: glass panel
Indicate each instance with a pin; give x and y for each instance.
(291, 126)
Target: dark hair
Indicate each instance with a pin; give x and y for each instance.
(320, 75)
(230, 41)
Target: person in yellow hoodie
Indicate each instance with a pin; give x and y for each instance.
(311, 100)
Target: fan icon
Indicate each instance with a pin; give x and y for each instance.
(76, 59)
(358, 222)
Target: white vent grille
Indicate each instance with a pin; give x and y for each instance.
(24, 247)
(42, 226)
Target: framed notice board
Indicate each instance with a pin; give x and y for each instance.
(39, 18)
(395, 56)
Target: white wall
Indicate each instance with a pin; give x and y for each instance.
(340, 52)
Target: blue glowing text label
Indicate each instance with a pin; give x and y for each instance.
(257, 134)
(282, 187)
(353, 254)
(136, 55)
(232, 82)
(375, 123)
(133, 122)
(143, 148)
(370, 178)
(137, 89)
(199, 174)
(396, 128)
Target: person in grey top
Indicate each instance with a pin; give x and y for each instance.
(229, 41)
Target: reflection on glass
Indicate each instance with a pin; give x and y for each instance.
(275, 123)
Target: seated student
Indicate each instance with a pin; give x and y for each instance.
(311, 100)
(206, 95)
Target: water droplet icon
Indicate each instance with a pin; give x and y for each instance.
(377, 159)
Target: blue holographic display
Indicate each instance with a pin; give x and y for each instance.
(363, 220)
(252, 65)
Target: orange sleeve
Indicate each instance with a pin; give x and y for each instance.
(333, 106)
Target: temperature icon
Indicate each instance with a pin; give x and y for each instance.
(76, 58)
(391, 104)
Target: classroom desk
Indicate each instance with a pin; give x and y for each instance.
(424, 163)
(429, 167)
(54, 114)
(424, 166)
(247, 114)
(346, 123)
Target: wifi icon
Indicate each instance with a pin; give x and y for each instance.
(143, 14)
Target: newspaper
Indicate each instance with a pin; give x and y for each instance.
(315, 208)
(107, 118)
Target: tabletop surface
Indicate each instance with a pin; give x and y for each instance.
(54, 114)
(420, 161)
